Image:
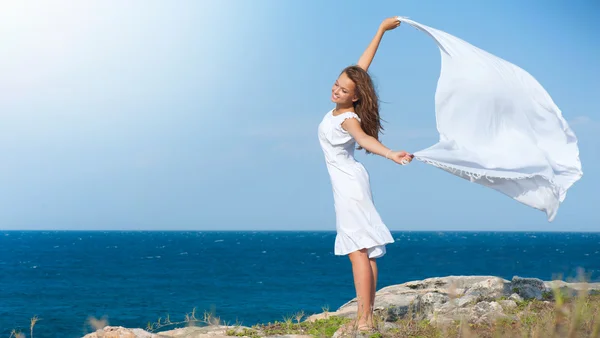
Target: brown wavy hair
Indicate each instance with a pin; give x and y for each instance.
(367, 105)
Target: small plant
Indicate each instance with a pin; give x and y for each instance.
(97, 324)
(289, 321)
(299, 316)
(34, 320)
(209, 318)
(16, 334)
(189, 320)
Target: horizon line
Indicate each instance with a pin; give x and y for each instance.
(284, 230)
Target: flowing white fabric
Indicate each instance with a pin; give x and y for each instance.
(499, 128)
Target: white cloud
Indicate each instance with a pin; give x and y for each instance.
(584, 120)
(584, 124)
(579, 120)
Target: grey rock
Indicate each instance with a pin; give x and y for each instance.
(446, 299)
(448, 314)
(442, 320)
(466, 300)
(387, 326)
(516, 297)
(528, 288)
(489, 289)
(427, 303)
(423, 299)
(213, 331)
(447, 307)
(481, 308)
(120, 332)
(489, 318)
(486, 313)
(405, 305)
(508, 304)
(144, 334)
(496, 306)
(572, 289)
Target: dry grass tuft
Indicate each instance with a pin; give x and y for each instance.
(97, 324)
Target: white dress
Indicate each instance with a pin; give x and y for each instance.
(358, 223)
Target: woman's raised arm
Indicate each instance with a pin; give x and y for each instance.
(367, 57)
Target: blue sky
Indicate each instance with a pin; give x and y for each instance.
(197, 115)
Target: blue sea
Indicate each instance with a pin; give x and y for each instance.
(132, 278)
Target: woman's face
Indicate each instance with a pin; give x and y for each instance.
(343, 91)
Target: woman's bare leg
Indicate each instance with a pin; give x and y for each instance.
(363, 282)
(374, 288)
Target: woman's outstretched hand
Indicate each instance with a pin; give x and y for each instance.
(401, 157)
(390, 23)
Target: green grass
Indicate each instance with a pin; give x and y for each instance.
(317, 328)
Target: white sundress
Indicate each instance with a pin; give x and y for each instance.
(358, 223)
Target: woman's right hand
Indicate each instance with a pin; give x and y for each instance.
(401, 157)
(390, 23)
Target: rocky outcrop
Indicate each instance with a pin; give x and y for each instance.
(213, 331)
(120, 332)
(187, 332)
(441, 300)
(477, 299)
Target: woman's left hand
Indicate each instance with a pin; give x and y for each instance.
(401, 157)
(390, 23)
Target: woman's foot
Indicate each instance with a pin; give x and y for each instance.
(352, 329)
(353, 326)
(365, 328)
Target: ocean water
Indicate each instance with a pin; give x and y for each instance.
(132, 278)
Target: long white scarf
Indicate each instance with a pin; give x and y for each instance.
(499, 128)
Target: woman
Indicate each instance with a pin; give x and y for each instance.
(355, 119)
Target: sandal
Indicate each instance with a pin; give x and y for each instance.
(367, 329)
(351, 328)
